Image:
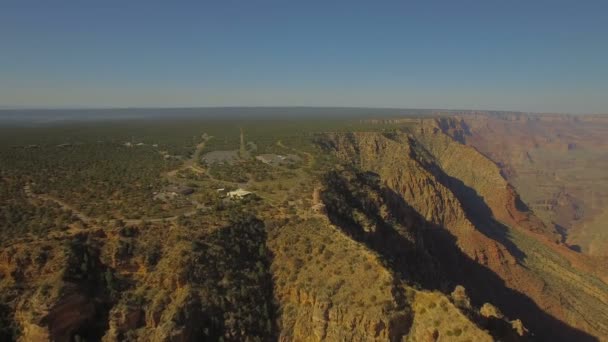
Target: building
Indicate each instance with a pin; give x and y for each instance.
(277, 159)
(238, 193)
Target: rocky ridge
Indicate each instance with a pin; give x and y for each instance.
(480, 211)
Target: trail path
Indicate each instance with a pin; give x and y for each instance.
(171, 175)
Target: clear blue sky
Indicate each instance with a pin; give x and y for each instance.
(514, 55)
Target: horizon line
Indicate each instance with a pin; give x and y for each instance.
(73, 108)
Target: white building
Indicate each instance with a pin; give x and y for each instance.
(238, 193)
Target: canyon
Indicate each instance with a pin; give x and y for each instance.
(459, 226)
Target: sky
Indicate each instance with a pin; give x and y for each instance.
(529, 55)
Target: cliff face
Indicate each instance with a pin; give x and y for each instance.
(462, 200)
(54, 290)
(411, 173)
(330, 288)
(474, 178)
(554, 161)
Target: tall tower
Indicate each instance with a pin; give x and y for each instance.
(242, 149)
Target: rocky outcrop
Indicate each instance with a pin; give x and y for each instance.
(318, 302)
(329, 288)
(321, 320)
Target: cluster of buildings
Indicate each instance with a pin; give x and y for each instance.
(278, 159)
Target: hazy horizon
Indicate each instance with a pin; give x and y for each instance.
(270, 106)
(18, 116)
